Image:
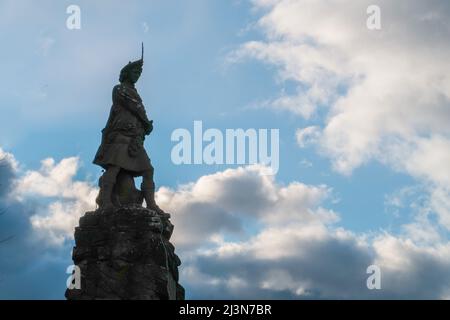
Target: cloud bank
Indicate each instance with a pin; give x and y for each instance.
(296, 249)
(240, 234)
(385, 92)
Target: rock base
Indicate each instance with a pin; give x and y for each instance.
(126, 254)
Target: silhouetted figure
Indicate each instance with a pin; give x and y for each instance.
(122, 152)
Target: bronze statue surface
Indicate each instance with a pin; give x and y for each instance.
(121, 152)
(122, 250)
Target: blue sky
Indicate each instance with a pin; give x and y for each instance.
(230, 64)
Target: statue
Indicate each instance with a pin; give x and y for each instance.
(123, 250)
(122, 152)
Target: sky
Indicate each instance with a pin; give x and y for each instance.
(364, 141)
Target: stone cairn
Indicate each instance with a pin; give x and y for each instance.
(125, 254)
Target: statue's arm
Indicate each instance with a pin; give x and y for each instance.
(135, 106)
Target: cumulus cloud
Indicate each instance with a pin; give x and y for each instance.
(241, 234)
(411, 270)
(386, 91)
(29, 269)
(68, 199)
(316, 262)
(296, 261)
(9, 166)
(296, 248)
(307, 136)
(51, 198)
(217, 204)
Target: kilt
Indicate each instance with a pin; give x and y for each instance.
(125, 152)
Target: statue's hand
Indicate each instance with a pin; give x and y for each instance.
(149, 128)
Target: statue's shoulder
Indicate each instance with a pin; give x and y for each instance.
(121, 91)
(125, 90)
(119, 88)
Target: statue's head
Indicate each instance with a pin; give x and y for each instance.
(133, 70)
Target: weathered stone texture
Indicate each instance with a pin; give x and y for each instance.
(126, 254)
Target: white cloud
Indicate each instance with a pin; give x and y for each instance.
(387, 91)
(320, 262)
(297, 250)
(440, 203)
(307, 136)
(221, 200)
(242, 235)
(8, 168)
(56, 223)
(68, 199)
(8, 159)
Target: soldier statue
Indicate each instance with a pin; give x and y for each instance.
(122, 152)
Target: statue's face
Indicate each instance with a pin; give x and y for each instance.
(134, 75)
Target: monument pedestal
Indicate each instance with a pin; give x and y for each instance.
(126, 254)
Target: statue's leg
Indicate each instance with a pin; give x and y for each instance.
(108, 181)
(148, 189)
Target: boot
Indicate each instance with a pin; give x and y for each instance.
(149, 196)
(105, 196)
